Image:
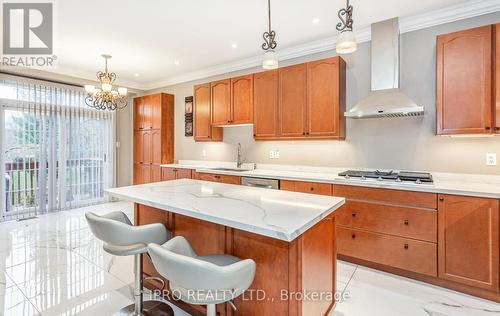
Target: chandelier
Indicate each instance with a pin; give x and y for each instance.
(270, 58)
(346, 41)
(106, 98)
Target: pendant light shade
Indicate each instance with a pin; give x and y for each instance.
(346, 43)
(270, 60)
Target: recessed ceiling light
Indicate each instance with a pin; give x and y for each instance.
(315, 21)
(234, 45)
(136, 75)
(177, 62)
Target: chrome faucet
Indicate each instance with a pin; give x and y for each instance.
(238, 162)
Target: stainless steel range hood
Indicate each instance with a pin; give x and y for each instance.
(385, 98)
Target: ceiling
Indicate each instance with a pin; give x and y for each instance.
(146, 38)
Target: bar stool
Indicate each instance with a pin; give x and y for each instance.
(121, 238)
(201, 280)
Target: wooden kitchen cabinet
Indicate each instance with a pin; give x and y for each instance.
(222, 178)
(176, 173)
(221, 102)
(326, 98)
(464, 82)
(468, 239)
(153, 136)
(306, 187)
(242, 100)
(497, 78)
(203, 130)
(292, 100)
(265, 96)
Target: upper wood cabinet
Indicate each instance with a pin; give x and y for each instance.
(292, 100)
(497, 78)
(265, 104)
(468, 241)
(153, 135)
(242, 100)
(310, 101)
(464, 82)
(232, 101)
(203, 130)
(221, 102)
(326, 98)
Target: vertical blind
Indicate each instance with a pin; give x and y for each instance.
(56, 153)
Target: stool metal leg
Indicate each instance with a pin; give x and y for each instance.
(211, 311)
(137, 285)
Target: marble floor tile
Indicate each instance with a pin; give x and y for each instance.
(345, 271)
(376, 293)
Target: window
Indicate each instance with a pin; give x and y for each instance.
(56, 152)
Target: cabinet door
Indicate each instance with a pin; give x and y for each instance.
(138, 157)
(208, 177)
(138, 113)
(155, 173)
(323, 94)
(168, 174)
(463, 82)
(147, 112)
(221, 102)
(155, 108)
(497, 79)
(468, 241)
(306, 187)
(242, 99)
(229, 179)
(265, 92)
(156, 147)
(292, 100)
(137, 174)
(203, 130)
(183, 174)
(146, 147)
(141, 173)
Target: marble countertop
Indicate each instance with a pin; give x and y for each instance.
(278, 214)
(487, 186)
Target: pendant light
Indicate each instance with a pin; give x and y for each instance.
(346, 41)
(270, 58)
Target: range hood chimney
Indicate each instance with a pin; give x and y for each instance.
(385, 98)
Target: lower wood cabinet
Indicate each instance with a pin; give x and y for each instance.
(402, 253)
(306, 187)
(469, 241)
(175, 173)
(222, 178)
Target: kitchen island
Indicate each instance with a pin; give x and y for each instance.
(290, 236)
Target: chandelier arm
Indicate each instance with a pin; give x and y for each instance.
(345, 16)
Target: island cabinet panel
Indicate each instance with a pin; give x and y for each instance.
(222, 178)
(469, 241)
(398, 197)
(203, 130)
(306, 187)
(206, 238)
(464, 82)
(408, 222)
(326, 98)
(221, 102)
(175, 173)
(402, 253)
(242, 100)
(265, 96)
(292, 100)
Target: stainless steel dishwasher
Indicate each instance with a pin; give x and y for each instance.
(260, 183)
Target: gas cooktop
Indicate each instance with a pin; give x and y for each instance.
(401, 176)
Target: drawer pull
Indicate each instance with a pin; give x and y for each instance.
(406, 246)
(353, 215)
(353, 236)
(406, 222)
(441, 199)
(312, 189)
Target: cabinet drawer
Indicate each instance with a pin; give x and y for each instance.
(400, 197)
(306, 187)
(402, 253)
(208, 177)
(229, 179)
(389, 219)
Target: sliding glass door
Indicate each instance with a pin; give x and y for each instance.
(56, 153)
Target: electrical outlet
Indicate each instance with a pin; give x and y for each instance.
(204, 153)
(271, 154)
(491, 159)
(277, 154)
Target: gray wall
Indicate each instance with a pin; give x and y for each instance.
(400, 143)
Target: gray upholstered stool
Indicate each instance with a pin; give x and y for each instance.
(201, 280)
(121, 238)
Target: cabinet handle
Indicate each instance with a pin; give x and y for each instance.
(307, 133)
(487, 128)
(253, 135)
(441, 199)
(497, 128)
(141, 128)
(353, 215)
(303, 133)
(406, 222)
(312, 189)
(175, 170)
(406, 246)
(353, 236)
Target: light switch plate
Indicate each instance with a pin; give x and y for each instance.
(276, 154)
(271, 154)
(491, 159)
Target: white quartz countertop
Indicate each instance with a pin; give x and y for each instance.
(278, 214)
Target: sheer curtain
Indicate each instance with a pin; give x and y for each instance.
(56, 153)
